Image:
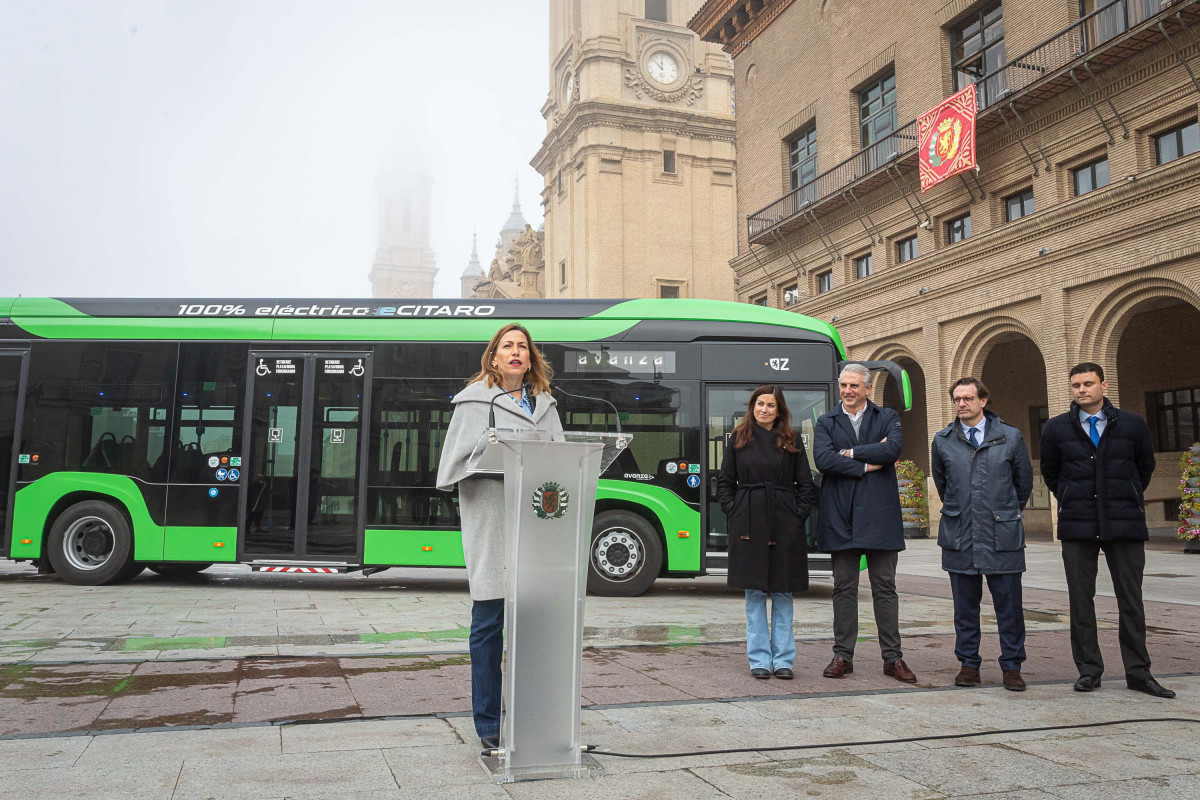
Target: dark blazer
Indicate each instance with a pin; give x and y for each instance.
(1099, 489)
(766, 494)
(857, 510)
(983, 493)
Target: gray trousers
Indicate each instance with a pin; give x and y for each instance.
(1126, 562)
(881, 568)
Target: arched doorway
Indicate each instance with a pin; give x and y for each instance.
(1015, 374)
(915, 421)
(1158, 376)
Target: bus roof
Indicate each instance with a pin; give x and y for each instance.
(363, 319)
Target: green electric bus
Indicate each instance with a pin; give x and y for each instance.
(303, 436)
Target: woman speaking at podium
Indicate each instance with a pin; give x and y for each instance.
(766, 492)
(514, 380)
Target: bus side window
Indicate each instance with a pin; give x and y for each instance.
(208, 409)
(99, 407)
(409, 418)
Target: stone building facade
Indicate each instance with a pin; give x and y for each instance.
(520, 273)
(1077, 239)
(638, 159)
(404, 264)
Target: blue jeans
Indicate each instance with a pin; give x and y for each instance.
(1010, 617)
(487, 649)
(776, 648)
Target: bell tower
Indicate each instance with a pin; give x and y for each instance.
(404, 263)
(638, 162)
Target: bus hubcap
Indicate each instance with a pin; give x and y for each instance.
(617, 554)
(89, 543)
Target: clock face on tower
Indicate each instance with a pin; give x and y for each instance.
(569, 88)
(663, 68)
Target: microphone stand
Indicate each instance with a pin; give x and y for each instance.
(621, 441)
(491, 432)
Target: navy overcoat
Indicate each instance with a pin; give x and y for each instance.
(858, 510)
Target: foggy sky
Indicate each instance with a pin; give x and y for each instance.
(197, 148)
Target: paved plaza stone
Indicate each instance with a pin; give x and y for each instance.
(231, 685)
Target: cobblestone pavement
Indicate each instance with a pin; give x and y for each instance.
(208, 687)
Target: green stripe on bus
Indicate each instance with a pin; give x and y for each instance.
(421, 548)
(33, 502)
(682, 554)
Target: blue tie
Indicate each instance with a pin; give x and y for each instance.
(1095, 434)
(973, 437)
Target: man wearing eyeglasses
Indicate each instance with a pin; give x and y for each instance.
(982, 471)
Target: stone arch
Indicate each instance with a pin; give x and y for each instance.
(975, 345)
(1106, 320)
(915, 421)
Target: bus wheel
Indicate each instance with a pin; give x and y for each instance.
(90, 544)
(177, 570)
(625, 557)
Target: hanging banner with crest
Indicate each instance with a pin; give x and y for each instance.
(946, 138)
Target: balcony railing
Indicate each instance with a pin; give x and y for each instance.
(899, 143)
(1038, 73)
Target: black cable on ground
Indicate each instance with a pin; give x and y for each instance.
(940, 737)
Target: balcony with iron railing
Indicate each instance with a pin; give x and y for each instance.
(1094, 42)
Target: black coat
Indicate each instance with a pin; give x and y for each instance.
(1099, 489)
(766, 494)
(859, 511)
(983, 491)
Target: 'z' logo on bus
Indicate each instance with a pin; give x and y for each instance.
(779, 364)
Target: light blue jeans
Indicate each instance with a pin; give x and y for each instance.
(775, 648)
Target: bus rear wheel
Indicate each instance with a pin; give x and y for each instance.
(91, 544)
(625, 556)
(181, 570)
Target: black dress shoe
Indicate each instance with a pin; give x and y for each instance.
(762, 673)
(490, 742)
(1087, 683)
(784, 673)
(1150, 687)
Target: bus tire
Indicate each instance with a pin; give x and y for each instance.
(180, 570)
(91, 544)
(625, 557)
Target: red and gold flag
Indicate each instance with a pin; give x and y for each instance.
(946, 138)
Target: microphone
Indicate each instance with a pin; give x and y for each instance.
(616, 414)
(492, 410)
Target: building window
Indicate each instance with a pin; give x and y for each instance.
(1090, 176)
(668, 291)
(791, 295)
(560, 181)
(877, 120)
(1177, 143)
(977, 49)
(862, 266)
(761, 300)
(1175, 419)
(562, 273)
(825, 281)
(958, 229)
(1114, 18)
(1018, 205)
(906, 249)
(802, 160)
(656, 10)
(669, 161)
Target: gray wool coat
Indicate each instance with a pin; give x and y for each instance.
(983, 493)
(481, 497)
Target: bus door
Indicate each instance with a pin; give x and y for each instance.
(12, 376)
(724, 408)
(303, 488)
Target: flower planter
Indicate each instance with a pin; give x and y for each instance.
(1191, 545)
(1193, 481)
(915, 530)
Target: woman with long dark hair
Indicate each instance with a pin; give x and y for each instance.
(766, 492)
(516, 377)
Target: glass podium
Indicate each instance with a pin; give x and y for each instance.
(550, 482)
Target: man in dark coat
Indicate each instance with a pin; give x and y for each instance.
(1097, 460)
(983, 475)
(856, 446)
